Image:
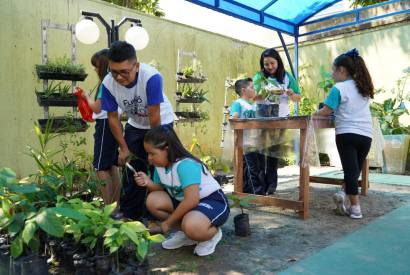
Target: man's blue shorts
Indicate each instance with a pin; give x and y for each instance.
(215, 207)
(105, 146)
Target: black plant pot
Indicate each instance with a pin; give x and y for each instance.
(61, 76)
(188, 114)
(241, 222)
(57, 99)
(103, 264)
(29, 265)
(4, 259)
(62, 125)
(267, 110)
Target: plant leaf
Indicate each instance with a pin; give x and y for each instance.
(156, 238)
(16, 247)
(50, 223)
(68, 213)
(28, 232)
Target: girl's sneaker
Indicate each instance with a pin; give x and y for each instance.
(177, 240)
(339, 199)
(355, 212)
(208, 247)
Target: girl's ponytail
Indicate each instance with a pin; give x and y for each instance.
(357, 69)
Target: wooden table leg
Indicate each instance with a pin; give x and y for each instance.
(303, 178)
(238, 156)
(365, 178)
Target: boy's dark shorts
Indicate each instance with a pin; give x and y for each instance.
(105, 146)
(215, 207)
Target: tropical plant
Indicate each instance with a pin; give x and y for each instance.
(97, 227)
(194, 92)
(241, 202)
(363, 3)
(326, 82)
(391, 109)
(146, 6)
(61, 65)
(24, 215)
(213, 163)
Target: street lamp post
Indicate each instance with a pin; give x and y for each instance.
(87, 31)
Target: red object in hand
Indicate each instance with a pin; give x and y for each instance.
(85, 110)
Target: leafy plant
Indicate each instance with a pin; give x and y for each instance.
(391, 109)
(97, 225)
(213, 163)
(194, 92)
(56, 88)
(146, 6)
(326, 82)
(270, 88)
(188, 71)
(363, 3)
(60, 65)
(239, 201)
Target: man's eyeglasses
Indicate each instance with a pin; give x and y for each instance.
(123, 73)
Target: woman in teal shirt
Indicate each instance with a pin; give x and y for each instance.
(273, 72)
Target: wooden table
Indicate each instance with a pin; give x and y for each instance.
(297, 122)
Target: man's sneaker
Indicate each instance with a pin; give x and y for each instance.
(339, 199)
(208, 247)
(177, 240)
(355, 212)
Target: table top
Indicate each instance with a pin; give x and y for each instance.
(290, 122)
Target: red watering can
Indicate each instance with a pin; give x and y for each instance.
(85, 110)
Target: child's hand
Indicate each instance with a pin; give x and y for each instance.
(289, 92)
(141, 179)
(165, 227)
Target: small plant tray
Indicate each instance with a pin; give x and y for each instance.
(184, 79)
(56, 99)
(195, 115)
(61, 76)
(64, 125)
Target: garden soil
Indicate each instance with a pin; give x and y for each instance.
(278, 237)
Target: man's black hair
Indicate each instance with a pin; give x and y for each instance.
(121, 51)
(240, 84)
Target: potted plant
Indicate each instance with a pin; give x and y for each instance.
(61, 69)
(191, 94)
(191, 74)
(241, 221)
(62, 124)
(105, 236)
(56, 94)
(268, 103)
(396, 135)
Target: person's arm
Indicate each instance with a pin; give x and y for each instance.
(235, 110)
(110, 105)
(293, 90)
(190, 201)
(331, 103)
(155, 97)
(144, 181)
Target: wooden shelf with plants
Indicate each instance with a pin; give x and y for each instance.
(56, 92)
(189, 90)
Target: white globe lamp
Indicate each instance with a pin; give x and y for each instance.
(87, 31)
(138, 37)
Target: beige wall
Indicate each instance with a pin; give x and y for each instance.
(385, 49)
(21, 49)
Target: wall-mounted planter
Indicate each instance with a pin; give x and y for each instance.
(182, 99)
(196, 115)
(189, 79)
(57, 99)
(64, 125)
(61, 76)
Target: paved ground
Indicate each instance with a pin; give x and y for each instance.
(280, 239)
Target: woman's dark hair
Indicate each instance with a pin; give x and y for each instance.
(163, 136)
(356, 67)
(280, 72)
(121, 51)
(100, 61)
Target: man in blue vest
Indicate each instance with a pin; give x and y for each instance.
(137, 89)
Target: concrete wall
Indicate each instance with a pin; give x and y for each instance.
(385, 49)
(21, 49)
